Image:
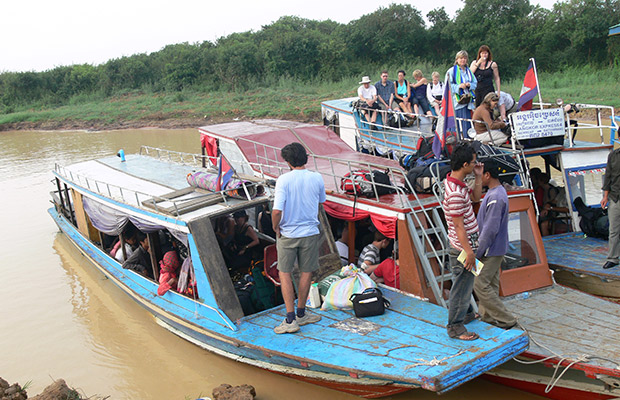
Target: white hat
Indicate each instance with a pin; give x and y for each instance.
(365, 79)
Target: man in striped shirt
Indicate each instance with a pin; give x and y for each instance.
(463, 236)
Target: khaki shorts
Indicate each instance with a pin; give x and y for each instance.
(303, 250)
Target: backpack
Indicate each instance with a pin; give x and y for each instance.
(594, 221)
(421, 179)
(360, 182)
(508, 165)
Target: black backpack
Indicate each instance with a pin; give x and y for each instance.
(594, 221)
(421, 178)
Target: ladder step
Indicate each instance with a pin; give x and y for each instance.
(444, 278)
(429, 231)
(431, 254)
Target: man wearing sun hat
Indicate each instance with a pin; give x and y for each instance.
(368, 96)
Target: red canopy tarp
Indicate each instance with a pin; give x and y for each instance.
(383, 223)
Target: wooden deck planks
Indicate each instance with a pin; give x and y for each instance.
(401, 341)
(579, 253)
(569, 322)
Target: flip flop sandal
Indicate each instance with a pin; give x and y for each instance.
(467, 336)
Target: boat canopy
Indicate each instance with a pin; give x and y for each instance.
(112, 221)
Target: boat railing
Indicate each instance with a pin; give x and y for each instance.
(195, 160)
(168, 204)
(571, 131)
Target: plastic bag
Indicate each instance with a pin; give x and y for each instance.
(339, 293)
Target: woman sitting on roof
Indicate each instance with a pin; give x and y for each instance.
(487, 131)
(403, 93)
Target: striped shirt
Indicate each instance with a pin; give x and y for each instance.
(457, 203)
(369, 254)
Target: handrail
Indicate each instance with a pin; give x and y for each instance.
(115, 192)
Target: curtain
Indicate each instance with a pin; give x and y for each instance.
(384, 224)
(112, 222)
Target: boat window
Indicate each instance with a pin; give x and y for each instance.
(522, 249)
(587, 185)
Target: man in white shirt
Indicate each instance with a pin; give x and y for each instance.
(368, 96)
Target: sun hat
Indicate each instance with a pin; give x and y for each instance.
(365, 79)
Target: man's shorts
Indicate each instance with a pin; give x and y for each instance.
(304, 250)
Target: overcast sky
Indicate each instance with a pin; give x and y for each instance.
(37, 35)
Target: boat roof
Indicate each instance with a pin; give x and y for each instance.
(144, 182)
(260, 141)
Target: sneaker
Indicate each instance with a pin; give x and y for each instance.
(308, 319)
(285, 327)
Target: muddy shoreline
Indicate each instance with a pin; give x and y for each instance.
(153, 123)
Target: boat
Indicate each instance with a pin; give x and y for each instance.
(578, 166)
(95, 201)
(561, 339)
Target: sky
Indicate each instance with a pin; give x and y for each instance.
(38, 35)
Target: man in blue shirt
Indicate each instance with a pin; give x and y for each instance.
(492, 246)
(295, 219)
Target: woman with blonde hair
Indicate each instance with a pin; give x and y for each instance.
(486, 72)
(462, 83)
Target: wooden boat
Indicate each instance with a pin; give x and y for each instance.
(405, 348)
(580, 164)
(569, 329)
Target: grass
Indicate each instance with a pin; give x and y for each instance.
(284, 98)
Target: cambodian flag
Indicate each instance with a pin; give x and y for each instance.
(447, 125)
(529, 89)
(224, 173)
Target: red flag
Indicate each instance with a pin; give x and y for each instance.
(529, 89)
(449, 123)
(224, 173)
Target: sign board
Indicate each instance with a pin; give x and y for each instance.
(538, 123)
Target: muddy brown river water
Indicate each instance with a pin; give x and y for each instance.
(61, 318)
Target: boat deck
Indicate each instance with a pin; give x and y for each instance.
(577, 253)
(408, 343)
(571, 324)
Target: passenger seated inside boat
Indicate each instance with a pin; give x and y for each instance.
(240, 250)
(129, 237)
(369, 257)
(169, 272)
(388, 272)
(551, 201)
(140, 259)
(224, 229)
(265, 225)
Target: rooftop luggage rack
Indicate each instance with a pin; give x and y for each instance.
(175, 203)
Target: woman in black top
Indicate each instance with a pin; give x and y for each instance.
(486, 72)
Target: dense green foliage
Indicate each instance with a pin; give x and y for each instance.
(571, 35)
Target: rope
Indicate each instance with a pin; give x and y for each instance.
(434, 362)
(554, 380)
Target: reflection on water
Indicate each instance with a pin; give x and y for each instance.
(61, 318)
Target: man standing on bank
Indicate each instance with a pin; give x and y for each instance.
(611, 199)
(463, 236)
(493, 245)
(295, 219)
